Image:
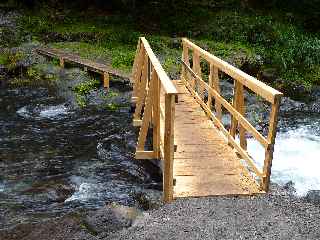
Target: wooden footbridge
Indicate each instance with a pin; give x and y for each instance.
(200, 157)
(183, 118)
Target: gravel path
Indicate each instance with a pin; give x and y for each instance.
(278, 215)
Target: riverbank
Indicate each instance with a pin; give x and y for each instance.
(276, 215)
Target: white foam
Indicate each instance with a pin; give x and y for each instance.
(23, 112)
(50, 112)
(296, 158)
(53, 111)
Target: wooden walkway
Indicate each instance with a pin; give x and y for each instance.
(199, 156)
(204, 163)
(88, 65)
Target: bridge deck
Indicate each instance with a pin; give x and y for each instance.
(204, 163)
(90, 65)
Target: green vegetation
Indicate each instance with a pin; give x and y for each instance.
(82, 89)
(260, 38)
(10, 60)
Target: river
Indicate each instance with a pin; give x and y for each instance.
(57, 158)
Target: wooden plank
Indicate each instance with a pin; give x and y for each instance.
(250, 82)
(244, 122)
(204, 164)
(141, 155)
(231, 140)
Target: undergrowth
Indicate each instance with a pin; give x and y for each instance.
(260, 38)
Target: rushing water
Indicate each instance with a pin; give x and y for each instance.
(55, 158)
(296, 153)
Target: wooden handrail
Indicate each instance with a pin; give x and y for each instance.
(250, 82)
(167, 84)
(154, 107)
(196, 85)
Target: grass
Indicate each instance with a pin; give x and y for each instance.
(237, 35)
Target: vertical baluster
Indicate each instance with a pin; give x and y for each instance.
(141, 92)
(241, 109)
(214, 72)
(195, 68)
(211, 85)
(136, 73)
(156, 117)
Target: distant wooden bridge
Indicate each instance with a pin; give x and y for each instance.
(199, 156)
(87, 65)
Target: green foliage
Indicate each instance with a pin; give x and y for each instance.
(55, 62)
(81, 100)
(84, 88)
(238, 35)
(112, 107)
(4, 59)
(122, 59)
(81, 91)
(36, 24)
(33, 73)
(10, 60)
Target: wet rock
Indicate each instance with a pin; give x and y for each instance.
(148, 199)
(313, 196)
(51, 191)
(288, 104)
(68, 227)
(111, 218)
(289, 187)
(269, 75)
(175, 43)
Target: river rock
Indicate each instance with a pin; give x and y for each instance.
(313, 196)
(68, 227)
(269, 75)
(111, 218)
(148, 199)
(287, 105)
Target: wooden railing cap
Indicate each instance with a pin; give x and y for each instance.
(265, 91)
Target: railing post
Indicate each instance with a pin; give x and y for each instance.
(271, 139)
(185, 58)
(61, 60)
(168, 147)
(106, 80)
